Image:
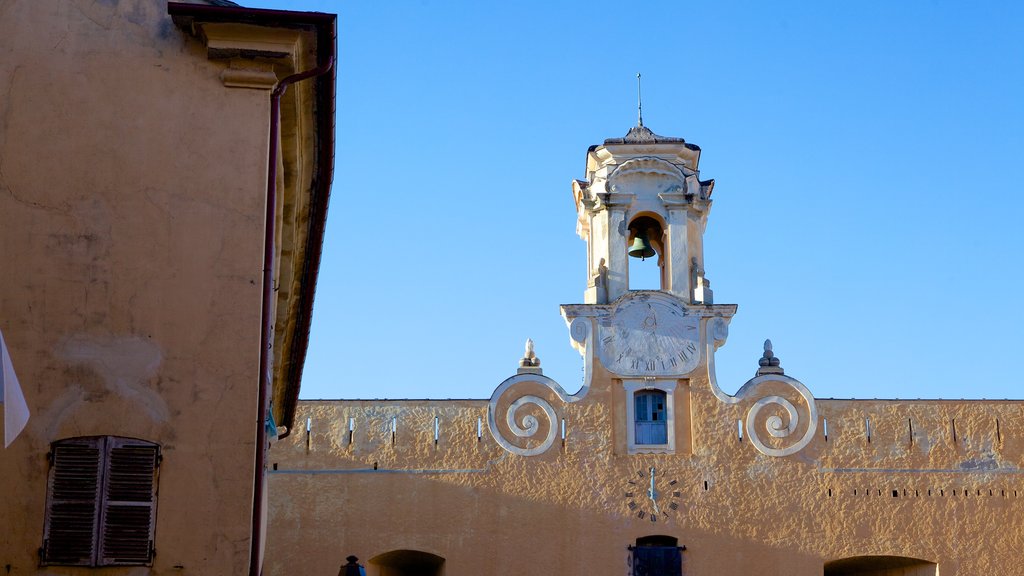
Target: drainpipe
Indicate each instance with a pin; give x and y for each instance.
(265, 379)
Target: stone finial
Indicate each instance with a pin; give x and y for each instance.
(529, 363)
(768, 363)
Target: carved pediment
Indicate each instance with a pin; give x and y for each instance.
(647, 173)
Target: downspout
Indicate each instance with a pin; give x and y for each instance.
(269, 248)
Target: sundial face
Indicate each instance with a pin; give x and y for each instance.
(649, 336)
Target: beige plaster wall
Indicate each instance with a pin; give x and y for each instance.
(487, 511)
(131, 228)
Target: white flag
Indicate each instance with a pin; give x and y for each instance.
(15, 408)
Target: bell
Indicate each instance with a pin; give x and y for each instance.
(641, 247)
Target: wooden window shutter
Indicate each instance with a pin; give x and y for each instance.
(101, 502)
(657, 561)
(128, 515)
(72, 504)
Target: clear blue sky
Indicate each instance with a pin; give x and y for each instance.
(868, 158)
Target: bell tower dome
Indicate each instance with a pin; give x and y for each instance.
(643, 197)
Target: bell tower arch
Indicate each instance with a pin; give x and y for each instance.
(642, 197)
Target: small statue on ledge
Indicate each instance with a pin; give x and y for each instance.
(601, 283)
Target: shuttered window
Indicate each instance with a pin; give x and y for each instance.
(657, 561)
(101, 502)
(651, 424)
(657, 555)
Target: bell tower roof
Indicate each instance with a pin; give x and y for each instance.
(641, 141)
(644, 135)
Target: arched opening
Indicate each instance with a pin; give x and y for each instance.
(646, 248)
(650, 417)
(880, 566)
(657, 540)
(407, 563)
(657, 555)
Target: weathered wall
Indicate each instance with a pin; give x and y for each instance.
(131, 229)
(915, 494)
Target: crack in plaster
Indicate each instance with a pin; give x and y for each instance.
(6, 114)
(84, 11)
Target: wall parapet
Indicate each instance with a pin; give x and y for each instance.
(852, 436)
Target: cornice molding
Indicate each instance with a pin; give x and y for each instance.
(255, 54)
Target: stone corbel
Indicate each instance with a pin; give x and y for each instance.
(255, 54)
(246, 73)
(699, 207)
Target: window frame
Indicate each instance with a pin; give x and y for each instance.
(98, 491)
(631, 387)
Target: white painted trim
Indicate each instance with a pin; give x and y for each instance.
(716, 331)
(632, 386)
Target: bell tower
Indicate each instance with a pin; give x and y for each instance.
(642, 197)
(642, 348)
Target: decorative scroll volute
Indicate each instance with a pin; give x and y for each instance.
(521, 413)
(522, 418)
(781, 417)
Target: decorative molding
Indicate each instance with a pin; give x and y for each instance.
(781, 426)
(648, 166)
(675, 200)
(615, 199)
(641, 134)
(233, 40)
(245, 73)
(525, 428)
(776, 425)
(255, 54)
(634, 385)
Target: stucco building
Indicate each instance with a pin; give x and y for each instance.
(651, 468)
(162, 204)
(164, 178)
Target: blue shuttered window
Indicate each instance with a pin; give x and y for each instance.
(650, 417)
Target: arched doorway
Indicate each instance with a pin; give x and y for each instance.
(407, 563)
(880, 566)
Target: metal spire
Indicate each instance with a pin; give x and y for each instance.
(639, 103)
